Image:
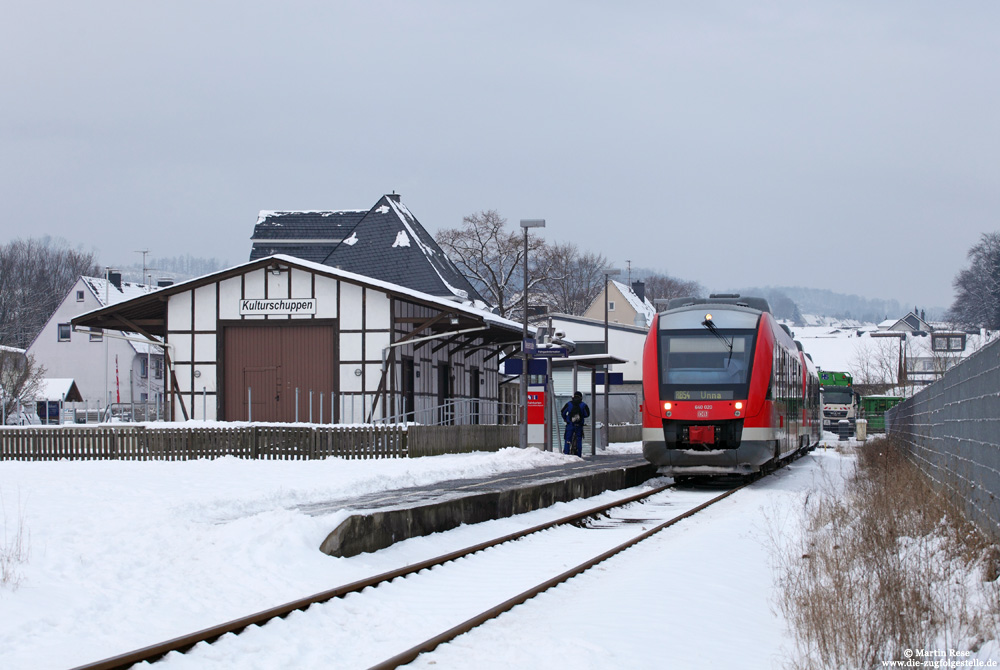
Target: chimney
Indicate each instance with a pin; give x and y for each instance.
(116, 279)
(394, 196)
(639, 288)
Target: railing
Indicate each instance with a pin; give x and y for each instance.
(459, 411)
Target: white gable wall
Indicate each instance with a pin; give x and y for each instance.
(92, 363)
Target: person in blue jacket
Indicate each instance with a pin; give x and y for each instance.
(575, 414)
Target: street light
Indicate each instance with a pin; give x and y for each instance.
(608, 272)
(523, 428)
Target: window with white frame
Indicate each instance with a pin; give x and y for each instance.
(143, 367)
(64, 332)
(79, 296)
(611, 305)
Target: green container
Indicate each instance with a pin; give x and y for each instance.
(874, 407)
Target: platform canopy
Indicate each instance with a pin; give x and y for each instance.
(587, 361)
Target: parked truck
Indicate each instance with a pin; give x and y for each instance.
(838, 399)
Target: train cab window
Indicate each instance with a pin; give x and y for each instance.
(701, 365)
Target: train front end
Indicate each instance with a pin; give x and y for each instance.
(706, 369)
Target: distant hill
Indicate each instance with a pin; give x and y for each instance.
(824, 302)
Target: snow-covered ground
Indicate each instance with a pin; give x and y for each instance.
(124, 554)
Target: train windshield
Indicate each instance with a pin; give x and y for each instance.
(701, 365)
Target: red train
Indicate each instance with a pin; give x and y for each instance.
(726, 389)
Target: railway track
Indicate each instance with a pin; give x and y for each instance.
(183, 643)
(492, 613)
(599, 517)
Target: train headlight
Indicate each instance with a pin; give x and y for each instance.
(667, 406)
(739, 405)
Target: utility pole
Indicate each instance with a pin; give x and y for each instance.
(143, 252)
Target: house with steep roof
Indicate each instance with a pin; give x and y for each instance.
(626, 305)
(105, 367)
(911, 323)
(386, 242)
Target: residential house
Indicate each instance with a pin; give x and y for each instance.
(626, 305)
(105, 367)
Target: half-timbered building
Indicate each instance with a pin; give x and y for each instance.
(285, 339)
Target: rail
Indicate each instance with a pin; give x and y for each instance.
(154, 652)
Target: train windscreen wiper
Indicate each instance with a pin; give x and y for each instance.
(708, 323)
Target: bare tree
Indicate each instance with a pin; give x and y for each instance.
(875, 362)
(574, 280)
(977, 288)
(665, 287)
(20, 378)
(35, 276)
(492, 258)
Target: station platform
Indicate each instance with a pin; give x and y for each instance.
(380, 519)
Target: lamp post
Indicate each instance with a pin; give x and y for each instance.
(608, 272)
(523, 427)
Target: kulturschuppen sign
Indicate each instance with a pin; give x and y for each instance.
(258, 306)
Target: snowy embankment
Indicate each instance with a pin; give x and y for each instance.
(125, 554)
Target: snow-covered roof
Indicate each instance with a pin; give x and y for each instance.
(643, 307)
(845, 349)
(109, 293)
(910, 322)
(385, 242)
(13, 350)
(57, 388)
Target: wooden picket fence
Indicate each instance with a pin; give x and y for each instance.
(179, 443)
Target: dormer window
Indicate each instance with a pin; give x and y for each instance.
(948, 343)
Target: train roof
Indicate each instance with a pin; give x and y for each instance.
(759, 304)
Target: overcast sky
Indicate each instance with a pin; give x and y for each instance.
(852, 146)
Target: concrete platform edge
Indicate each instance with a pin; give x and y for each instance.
(367, 532)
